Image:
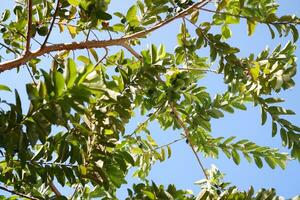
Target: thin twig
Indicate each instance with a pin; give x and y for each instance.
(52, 24)
(168, 144)
(29, 26)
(31, 75)
(105, 55)
(17, 193)
(86, 39)
(8, 48)
(75, 191)
(132, 51)
(95, 35)
(187, 134)
(146, 121)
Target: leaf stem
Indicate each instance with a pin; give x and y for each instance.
(187, 134)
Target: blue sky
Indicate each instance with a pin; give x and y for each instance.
(182, 169)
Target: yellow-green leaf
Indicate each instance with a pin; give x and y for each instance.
(82, 170)
(255, 71)
(73, 2)
(72, 31)
(108, 132)
(222, 5)
(251, 26)
(226, 32)
(5, 88)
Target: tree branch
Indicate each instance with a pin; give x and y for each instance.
(187, 134)
(132, 51)
(29, 25)
(17, 193)
(94, 43)
(105, 55)
(52, 24)
(54, 189)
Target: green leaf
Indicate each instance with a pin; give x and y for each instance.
(258, 161)
(271, 31)
(295, 33)
(94, 53)
(74, 2)
(59, 83)
(103, 15)
(131, 14)
(226, 32)
(153, 53)
(5, 15)
(228, 140)
(239, 105)
(274, 129)
(72, 30)
(215, 113)
(263, 116)
(255, 71)
(18, 105)
(251, 26)
(273, 100)
(83, 170)
(194, 16)
(71, 72)
(84, 59)
(149, 194)
(169, 151)
(5, 88)
(235, 156)
(270, 162)
(222, 4)
(108, 132)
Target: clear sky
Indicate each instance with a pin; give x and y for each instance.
(182, 169)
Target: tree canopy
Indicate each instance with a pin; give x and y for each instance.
(85, 91)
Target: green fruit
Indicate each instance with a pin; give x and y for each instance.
(123, 20)
(3, 30)
(42, 31)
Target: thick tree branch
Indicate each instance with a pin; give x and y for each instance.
(52, 24)
(187, 134)
(29, 25)
(54, 189)
(17, 193)
(94, 43)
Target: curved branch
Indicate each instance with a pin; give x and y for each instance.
(94, 43)
(132, 51)
(52, 24)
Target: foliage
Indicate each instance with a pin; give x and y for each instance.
(73, 133)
